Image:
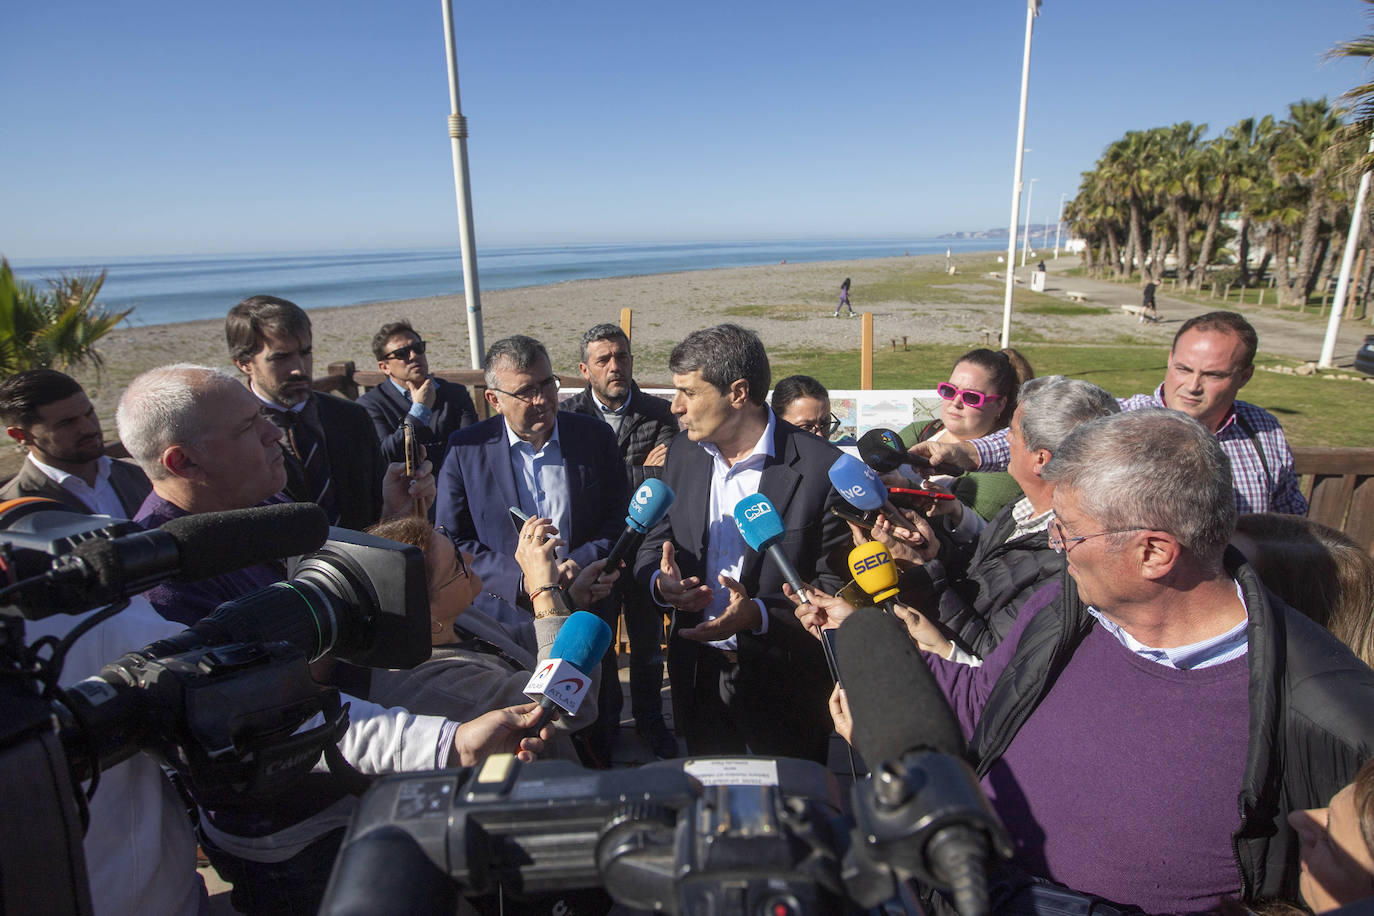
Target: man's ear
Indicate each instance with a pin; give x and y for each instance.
(1039, 458)
(1245, 376)
(18, 434)
(178, 462)
(582, 367)
(244, 366)
(492, 399)
(381, 364)
(738, 393)
(1159, 554)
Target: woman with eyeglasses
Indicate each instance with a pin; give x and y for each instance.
(804, 402)
(978, 399)
(477, 664)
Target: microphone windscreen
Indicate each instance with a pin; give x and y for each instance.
(582, 641)
(858, 483)
(214, 543)
(758, 522)
(882, 450)
(873, 570)
(894, 702)
(649, 504)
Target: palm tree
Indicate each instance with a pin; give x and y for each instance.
(56, 328)
(1180, 172)
(1305, 155)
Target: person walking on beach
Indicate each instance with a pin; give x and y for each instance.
(1147, 304)
(844, 299)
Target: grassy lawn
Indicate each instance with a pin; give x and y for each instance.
(1313, 411)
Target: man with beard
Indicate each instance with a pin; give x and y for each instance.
(48, 413)
(643, 426)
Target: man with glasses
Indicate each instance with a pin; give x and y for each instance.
(1146, 725)
(433, 408)
(532, 456)
(643, 426)
(1211, 359)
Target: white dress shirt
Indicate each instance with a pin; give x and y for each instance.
(541, 482)
(100, 499)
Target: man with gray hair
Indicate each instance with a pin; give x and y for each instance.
(978, 595)
(1146, 726)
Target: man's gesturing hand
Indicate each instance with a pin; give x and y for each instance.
(683, 594)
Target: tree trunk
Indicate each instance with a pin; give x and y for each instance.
(1243, 250)
(1258, 278)
(1280, 253)
(1135, 244)
(1114, 250)
(1183, 223)
(1209, 238)
(1307, 252)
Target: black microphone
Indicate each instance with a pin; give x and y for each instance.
(922, 813)
(193, 547)
(883, 451)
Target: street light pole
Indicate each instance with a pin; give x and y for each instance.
(1352, 241)
(1025, 239)
(1032, 10)
(458, 137)
(1059, 226)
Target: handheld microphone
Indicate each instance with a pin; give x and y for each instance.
(100, 570)
(560, 682)
(883, 450)
(858, 484)
(923, 813)
(873, 570)
(761, 527)
(648, 505)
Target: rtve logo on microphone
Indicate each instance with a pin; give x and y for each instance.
(757, 510)
(854, 492)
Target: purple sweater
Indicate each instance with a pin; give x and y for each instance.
(1123, 781)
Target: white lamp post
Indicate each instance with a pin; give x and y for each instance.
(458, 136)
(1352, 241)
(1059, 226)
(1032, 10)
(1025, 239)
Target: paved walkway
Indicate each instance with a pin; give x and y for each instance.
(1282, 333)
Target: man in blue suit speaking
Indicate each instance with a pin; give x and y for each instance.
(547, 463)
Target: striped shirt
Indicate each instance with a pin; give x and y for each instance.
(1261, 462)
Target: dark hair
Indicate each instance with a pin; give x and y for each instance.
(257, 316)
(520, 351)
(1317, 570)
(1024, 370)
(1227, 323)
(24, 392)
(723, 355)
(604, 331)
(794, 387)
(1001, 376)
(387, 332)
(1363, 796)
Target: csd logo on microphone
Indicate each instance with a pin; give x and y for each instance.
(757, 510)
(864, 564)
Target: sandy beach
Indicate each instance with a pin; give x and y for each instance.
(790, 305)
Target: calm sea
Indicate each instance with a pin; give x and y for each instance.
(188, 287)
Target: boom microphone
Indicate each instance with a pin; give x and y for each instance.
(648, 505)
(923, 813)
(560, 682)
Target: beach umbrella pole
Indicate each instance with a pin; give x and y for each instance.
(458, 137)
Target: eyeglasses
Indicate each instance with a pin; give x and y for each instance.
(971, 398)
(1061, 543)
(823, 428)
(548, 387)
(404, 353)
(462, 571)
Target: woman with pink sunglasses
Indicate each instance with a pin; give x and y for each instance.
(978, 399)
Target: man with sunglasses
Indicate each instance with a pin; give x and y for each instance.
(433, 408)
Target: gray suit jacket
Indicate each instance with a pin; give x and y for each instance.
(130, 484)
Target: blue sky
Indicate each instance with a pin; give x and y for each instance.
(145, 127)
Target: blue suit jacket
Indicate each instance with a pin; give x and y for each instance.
(453, 410)
(477, 487)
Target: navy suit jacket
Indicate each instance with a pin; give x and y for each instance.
(477, 487)
(453, 409)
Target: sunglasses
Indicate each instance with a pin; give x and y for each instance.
(968, 396)
(404, 353)
(461, 571)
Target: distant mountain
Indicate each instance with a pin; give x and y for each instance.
(1035, 232)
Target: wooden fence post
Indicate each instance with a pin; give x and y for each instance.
(626, 316)
(866, 353)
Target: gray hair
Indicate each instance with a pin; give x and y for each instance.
(1053, 406)
(723, 355)
(604, 331)
(165, 407)
(1157, 469)
(519, 351)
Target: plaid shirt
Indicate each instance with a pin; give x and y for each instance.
(1256, 490)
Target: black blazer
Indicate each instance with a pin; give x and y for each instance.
(355, 463)
(783, 672)
(130, 484)
(648, 422)
(453, 409)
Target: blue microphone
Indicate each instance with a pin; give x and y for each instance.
(648, 505)
(858, 484)
(561, 681)
(761, 526)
